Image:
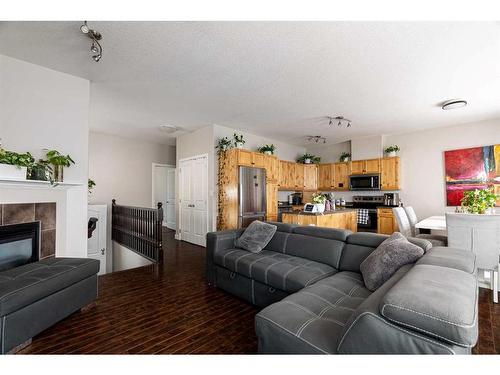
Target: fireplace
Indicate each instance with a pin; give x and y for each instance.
(19, 244)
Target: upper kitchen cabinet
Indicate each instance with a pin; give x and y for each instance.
(365, 166)
(326, 174)
(341, 176)
(272, 165)
(298, 176)
(390, 173)
(310, 177)
(286, 175)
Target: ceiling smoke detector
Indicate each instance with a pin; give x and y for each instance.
(453, 104)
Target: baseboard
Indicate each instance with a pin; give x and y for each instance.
(177, 236)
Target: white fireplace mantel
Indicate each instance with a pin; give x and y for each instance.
(37, 184)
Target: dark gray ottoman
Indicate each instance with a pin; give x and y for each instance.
(35, 296)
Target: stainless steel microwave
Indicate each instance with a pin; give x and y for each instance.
(364, 182)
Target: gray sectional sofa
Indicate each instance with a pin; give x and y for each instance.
(36, 295)
(309, 281)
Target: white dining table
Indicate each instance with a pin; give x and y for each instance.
(432, 223)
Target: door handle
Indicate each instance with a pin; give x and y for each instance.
(102, 251)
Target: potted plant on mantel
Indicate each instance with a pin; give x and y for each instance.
(238, 140)
(345, 157)
(267, 149)
(392, 151)
(58, 162)
(13, 165)
(479, 201)
(309, 159)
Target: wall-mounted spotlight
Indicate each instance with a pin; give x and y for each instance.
(95, 47)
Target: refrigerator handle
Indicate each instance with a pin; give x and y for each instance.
(240, 199)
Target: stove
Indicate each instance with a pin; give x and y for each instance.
(369, 203)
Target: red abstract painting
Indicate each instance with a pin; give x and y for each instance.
(470, 169)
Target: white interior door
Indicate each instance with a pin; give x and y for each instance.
(170, 208)
(164, 192)
(96, 244)
(193, 200)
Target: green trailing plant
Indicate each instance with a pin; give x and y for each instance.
(238, 138)
(15, 158)
(223, 144)
(267, 148)
(91, 184)
(479, 200)
(313, 158)
(319, 198)
(394, 148)
(344, 156)
(54, 157)
(40, 170)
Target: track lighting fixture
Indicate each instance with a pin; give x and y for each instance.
(341, 120)
(316, 138)
(95, 47)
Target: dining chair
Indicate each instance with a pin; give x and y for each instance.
(405, 228)
(439, 240)
(481, 235)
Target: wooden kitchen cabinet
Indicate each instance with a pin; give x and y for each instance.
(286, 175)
(298, 176)
(310, 177)
(326, 174)
(272, 166)
(367, 166)
(244, 157)
(272, 201)
(386, 221)
(390, 173)
(341, 176)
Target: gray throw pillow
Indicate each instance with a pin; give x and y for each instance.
(256, 236)
(385, 260)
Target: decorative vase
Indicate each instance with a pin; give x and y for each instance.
(345, 159)
(239, 144)
(38, 174)
(320, 207)
(12, 172)
(58, 173)
(392, 154)
(267, 152)
(307, 161)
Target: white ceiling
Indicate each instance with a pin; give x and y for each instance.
(275, 79)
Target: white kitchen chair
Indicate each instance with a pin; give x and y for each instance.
(435, 239)
(481, 235)
(406, 229)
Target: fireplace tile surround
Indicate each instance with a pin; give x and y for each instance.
(15, 213)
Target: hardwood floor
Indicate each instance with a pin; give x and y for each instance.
(170, 309)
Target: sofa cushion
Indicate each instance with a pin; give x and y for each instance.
(319, 249)
(312, 320)
(256, 236)
(390, 256)
(438, 301)
(452, 258)
(281, 271)
(24, 285)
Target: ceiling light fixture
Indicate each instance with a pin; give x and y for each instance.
(316, 138)
(453, 104)
(95, 47)
(169, 129)
(341, 120)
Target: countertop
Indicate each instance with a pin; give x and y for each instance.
(333, 212)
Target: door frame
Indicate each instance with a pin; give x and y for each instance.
(153, 203)
(179, 171)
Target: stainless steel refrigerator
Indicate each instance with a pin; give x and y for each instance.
(251, 195)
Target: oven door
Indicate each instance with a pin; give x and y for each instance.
(364, 182)
(371, 225)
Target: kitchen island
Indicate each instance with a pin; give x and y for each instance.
(342, 218)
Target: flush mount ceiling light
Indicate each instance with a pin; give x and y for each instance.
(316, 138)
(453, 104)
(95, 47)
(339, 120)
(169, 129)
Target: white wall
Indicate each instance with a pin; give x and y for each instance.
(367, 147)
(422, 161)
(329, 153)
(122, 169)
(41, 108)
(124, 259)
